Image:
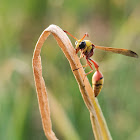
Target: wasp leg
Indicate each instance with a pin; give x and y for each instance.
(90, 67)
(85, 66)
(89, 62)
(81, 67)
(81, 55)
(95, 64)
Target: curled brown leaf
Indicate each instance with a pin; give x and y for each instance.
(99, 126)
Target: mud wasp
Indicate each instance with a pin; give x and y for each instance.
(86, 47)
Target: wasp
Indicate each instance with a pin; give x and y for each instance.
(86, 47)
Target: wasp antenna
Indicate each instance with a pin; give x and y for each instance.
(86, 34)
(70, 35)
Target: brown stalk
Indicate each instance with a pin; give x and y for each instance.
(99, 126)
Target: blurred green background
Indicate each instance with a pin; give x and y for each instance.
(108, 22)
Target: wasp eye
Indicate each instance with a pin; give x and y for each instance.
(76, 43)
(82, 45)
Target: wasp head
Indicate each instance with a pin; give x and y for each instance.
(80, 45)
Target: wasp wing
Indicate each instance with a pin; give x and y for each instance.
(119, 51)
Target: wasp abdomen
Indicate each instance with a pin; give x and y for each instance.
(97, 82)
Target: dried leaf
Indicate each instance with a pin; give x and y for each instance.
(98, 122)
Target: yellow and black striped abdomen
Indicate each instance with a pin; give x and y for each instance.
(97, 82)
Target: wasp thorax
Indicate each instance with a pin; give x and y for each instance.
(82, 45)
